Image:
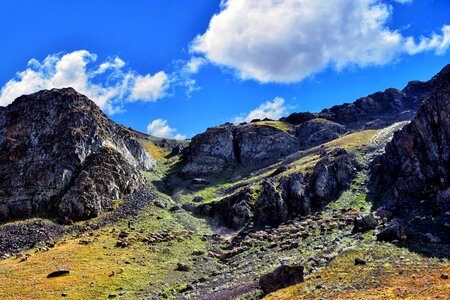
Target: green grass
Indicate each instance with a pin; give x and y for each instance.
(274, 124)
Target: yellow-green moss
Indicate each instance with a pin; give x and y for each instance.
(275, 124)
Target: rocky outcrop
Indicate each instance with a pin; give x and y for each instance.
(210, 152)
(274, 201)
(281, 277)
(270, 207)
(251, 145)
(332, 174)
(416, 163)
(59, 154)
(380, 109)
(262, 143)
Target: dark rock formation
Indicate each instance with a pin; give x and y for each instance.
(281, 277)
(210, 152)
(60, 154)
(298, 118)
(416, 163)
(332, 174)
(281, 198)
(270, 208)
(382, 108)
(364, 223)
(393, 231)
(318, 131)
(58, 273)
(251, 145)
(261, 145)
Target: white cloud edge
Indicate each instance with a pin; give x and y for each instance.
(278, 42)
(273, 109)
(106, 83)
(161, 128)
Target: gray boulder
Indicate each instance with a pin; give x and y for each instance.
(281, 277)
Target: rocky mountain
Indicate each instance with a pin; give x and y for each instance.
(60, 154)
(263, 142)
(348, 203)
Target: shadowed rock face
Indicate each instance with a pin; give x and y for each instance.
(60, 154)
(417, 160)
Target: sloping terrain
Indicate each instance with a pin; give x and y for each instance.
(244, 210)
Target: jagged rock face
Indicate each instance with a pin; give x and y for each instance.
(55, 146)
(417, 161)
(333, 174)
(257, 145)
(260, 146)
(294, 192)
(281, 277)
(270, 208)
(380, 109)
(288, 196)
(253, 146)
(210, 152)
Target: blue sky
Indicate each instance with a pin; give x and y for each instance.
(176, 67)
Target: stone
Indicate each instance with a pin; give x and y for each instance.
(444, 276)
(364, 222)
(281, 277)
(270, 208)
(182, 267)
(359, 262)
(432, 238)
(58, 273)
(198, 199)
(393, 231)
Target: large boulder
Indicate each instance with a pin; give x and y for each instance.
(210, 152)
(281, 277)
(52, 147)
(294, 189)
(393, 231)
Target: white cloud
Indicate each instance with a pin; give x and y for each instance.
(437, 43)
(289, 40)
(149, 88)
(107, 84)
(160, 128)
(194, 64)
(403, 1)
(274, 110)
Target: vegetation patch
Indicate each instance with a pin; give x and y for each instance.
(274, 124)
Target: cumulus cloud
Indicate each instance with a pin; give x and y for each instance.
(161, 128)
(288, 40)
(274, 110)
(107, 83)
(149, 88)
